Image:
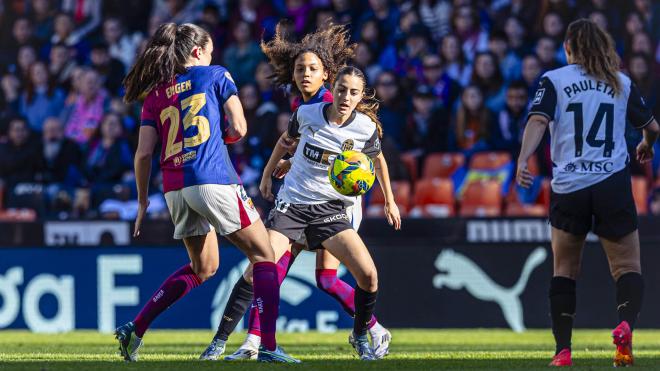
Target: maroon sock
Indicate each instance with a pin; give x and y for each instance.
(327, 280)
(267, 300)
(254, 327)
(175, 287)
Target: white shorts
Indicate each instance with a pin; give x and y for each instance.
(196, 210)
(354, 214)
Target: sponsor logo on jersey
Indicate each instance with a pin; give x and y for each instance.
(591, 167)
(185, 157)
(538, 96)
(317, 154)
(347, 145)
(335, 218)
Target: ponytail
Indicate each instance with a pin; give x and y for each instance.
(368, 105)
(593, 49)
(165, 56)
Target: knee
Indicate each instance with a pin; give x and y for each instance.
(567, 268)
(205, 271)
(369, 280)
(620, 268)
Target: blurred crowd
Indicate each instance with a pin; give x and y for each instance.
(451, 75)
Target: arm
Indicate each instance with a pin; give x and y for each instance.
(237, 127)
(146, 143)
(645, 147)
(534, 130)
(383, 175)
(278, 152)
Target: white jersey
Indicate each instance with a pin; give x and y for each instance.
(587, 125)
(307, 181)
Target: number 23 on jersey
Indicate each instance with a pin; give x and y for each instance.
(193, 104)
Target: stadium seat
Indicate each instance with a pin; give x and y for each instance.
(433, 198)
(410, 161)
(401, 190)
(481, 198)
(518, 209)
(18, 215)
(489, 160)
(442, 165)
(640, 194)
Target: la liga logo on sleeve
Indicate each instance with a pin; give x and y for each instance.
(538, 96)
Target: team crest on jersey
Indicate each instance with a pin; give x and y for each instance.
(538, 96)
(347, 145)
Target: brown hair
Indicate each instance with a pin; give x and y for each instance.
(331, 45)
(30, 88)
(166, 54)
(368, 104)
(593, 49)
(463, 115)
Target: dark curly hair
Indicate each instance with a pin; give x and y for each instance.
(330, 44)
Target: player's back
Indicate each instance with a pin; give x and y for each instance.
(188, 115)
(587, 128)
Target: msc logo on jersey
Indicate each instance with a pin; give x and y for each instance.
(347, 145)
(538, 96)
(591, 167)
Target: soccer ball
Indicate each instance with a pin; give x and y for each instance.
(351, 173)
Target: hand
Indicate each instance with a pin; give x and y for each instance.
(644, 152)
(523, 176)
(392, 215)
(289, 144)
(282, 168)
(266, 188)
(142, 211)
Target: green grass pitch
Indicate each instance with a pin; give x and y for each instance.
(411, 350)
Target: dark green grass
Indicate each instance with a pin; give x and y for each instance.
(411, 350)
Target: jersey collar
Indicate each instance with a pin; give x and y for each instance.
(326, 107)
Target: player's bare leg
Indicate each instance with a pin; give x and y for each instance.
(567, 257)
(328, 281)
(348, 247)
(204, 262)
(624, 259)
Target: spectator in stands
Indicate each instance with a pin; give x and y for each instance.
(110, 70)
(259, 14)
(61, 65)
(41, 98)
(83, 115)
(65, 33)
(488, 77)
(436, 16)
(444, 87)
(650, 15)
(27, 55)
(523, 10)
(454, 61)
(385, 14)
(109, 161)
(546, 51)
(371, 34)
(506, 133)
(393, 105)
(11, 93)
(427, 126)
(85, 14)
(264, 80)
(364, 60)
(21, 155)
(509, 63)
(465, 21)
(243, 56)
(22, 33)
(262, 120)
(122, 45)
(472, 122)
(61, 166)
(515, 33)
(633, 25)
(43, 19)
(297, 11)
(531, 72)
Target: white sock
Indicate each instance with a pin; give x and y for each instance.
(252, 341)
(377, 328)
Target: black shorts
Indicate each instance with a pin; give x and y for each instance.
(318, 222)
(607, 206)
